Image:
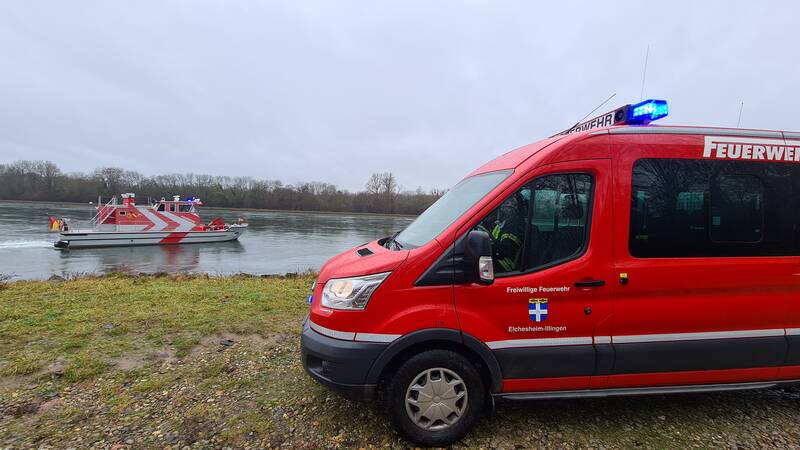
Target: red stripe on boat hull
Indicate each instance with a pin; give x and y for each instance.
(173, 238)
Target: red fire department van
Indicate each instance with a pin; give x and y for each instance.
(615, 258)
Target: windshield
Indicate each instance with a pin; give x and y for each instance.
(450, 207)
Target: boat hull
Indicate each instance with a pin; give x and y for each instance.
(91, 238)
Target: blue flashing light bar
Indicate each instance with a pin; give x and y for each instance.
(640, 113)
(647, 111)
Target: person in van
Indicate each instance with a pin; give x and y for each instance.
(508, 231)
(644, 260)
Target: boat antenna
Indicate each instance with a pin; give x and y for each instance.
(739, 122)
(644, 72)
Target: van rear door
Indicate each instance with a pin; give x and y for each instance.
(552, 243)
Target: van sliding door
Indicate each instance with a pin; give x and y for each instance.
(707, 248)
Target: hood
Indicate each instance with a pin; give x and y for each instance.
(362, 260)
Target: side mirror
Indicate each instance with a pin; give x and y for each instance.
(478, 257)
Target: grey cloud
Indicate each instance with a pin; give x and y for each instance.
(333, 91)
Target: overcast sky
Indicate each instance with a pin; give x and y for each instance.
(333, 91)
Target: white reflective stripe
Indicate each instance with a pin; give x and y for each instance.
(698, 336)
(545, 342)
(602, 339)
(793, 331)
(183, 224)
(158, 224)
(374, 337)
(345, 335)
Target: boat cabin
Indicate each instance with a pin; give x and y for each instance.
(176, 205)
(162, 215)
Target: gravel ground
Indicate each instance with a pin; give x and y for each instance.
(218, 366)
(251, 392)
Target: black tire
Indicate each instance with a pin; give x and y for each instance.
(411, 371)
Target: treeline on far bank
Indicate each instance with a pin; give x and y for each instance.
(44, 181)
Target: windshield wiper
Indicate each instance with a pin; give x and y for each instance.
(391, 240)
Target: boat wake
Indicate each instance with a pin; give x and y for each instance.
(25, 244)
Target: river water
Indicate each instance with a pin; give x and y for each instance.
(276, 242)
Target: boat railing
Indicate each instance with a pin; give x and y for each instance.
(104, 211)
(77, 224)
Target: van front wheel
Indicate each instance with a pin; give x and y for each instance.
(435, 398)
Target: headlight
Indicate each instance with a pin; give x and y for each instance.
(351, 293)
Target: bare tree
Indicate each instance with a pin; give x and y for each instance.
(384, 189)
(42, 180)
(48, 171)
(111, 179)
(373, 185)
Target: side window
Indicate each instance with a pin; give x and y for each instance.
(542, 224)
(669, 207)
(702, 208)
(160, 207)
(506, 226)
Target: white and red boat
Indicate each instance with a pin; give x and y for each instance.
(163, 222)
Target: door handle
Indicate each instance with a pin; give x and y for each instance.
(589, 283)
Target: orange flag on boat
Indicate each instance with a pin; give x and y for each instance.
(55, 225)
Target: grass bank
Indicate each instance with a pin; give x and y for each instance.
(155, 362)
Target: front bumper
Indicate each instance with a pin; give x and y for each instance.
(340, 365)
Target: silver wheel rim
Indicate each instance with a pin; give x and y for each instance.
(436, 399)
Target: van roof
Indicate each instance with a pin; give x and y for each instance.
(514, 158)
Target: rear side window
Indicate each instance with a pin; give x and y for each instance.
(542, 224)
(696, 208)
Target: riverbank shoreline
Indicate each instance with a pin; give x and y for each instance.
(222, 208)
(177, 361)
(275, 243)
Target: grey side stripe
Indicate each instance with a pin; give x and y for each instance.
(698, 336)
(602, 339)
(351, 336)
(641, 338)
(344, 335)
(579, 340)
(545, 342)
(374, 337)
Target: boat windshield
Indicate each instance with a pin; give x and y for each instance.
(449, 207)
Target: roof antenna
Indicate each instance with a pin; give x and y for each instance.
(584, 117)
(598, 107)
(644, 72)
(739, 122)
